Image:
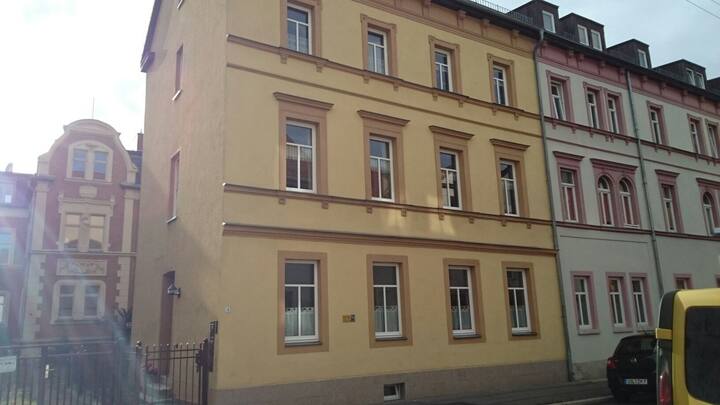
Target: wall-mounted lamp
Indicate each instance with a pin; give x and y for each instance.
(173, 290)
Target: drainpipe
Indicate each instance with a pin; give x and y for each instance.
(653, 234)
(553, 219)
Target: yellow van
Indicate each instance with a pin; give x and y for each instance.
(688, 348)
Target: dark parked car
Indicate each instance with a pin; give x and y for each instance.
(631, 369)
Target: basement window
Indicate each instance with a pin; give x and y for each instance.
(393, 392)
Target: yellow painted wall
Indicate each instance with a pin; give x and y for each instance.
(248, 332)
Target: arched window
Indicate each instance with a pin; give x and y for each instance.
(606, 207)
(628, 202)
(710, 212)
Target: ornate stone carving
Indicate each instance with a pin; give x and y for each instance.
(81, 267)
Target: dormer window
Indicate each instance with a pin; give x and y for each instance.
(583, 35)
(699, 80)
(642, 58)
(690, 76)
(89, 161)
(548, 21)
(596, 40)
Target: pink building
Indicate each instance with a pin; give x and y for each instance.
(83, 235)
(16, 191)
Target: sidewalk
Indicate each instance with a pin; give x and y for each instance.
(585, 392)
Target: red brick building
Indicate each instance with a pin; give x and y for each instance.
(82, 235)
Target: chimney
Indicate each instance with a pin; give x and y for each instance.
(9, 168)
(140, 141)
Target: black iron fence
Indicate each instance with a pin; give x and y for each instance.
(106, 372)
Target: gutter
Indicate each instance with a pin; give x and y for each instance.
(553, 214)
(643, 174)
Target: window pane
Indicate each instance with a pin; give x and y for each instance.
(78, 165)
(447, 160)
(458, 278)
(379, 148)
(515, 279)
(100, 166)
(507, 171)
(386, 179)
(299, 135)
(307, 311)
(392, 309)
(379, 301)
(291, 311)
(303, 39)
(441, 57)
(375, 38)
(584, 312)
(299, 273)
(297, 15)
(306, 168)
(65, 307)
(72, 235)
(455, 309)
(465, 319)
(384, 275)
(374, 177)
(292, 35)
(91, 305)
(567, 177)
(580, 285)
(291, 166)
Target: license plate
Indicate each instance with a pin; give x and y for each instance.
(636, 381)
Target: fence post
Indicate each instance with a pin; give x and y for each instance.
(44, 372)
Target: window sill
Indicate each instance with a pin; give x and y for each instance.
(171, 220)
(524, 334)
(177, 93)
(77, 321)
(583, 332)
(623, 329)
(88, 181)
(300, 344)
(390, 338)
(467, 337)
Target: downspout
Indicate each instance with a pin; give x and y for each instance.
(641, 158)
(553, 219)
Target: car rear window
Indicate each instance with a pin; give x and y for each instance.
(702, 351)
(636, 345)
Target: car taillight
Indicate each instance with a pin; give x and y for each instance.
(612, 363)
(665, 389)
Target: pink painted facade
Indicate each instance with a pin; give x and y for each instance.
(83, 237)
(16, 192)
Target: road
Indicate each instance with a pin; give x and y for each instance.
(636, 401)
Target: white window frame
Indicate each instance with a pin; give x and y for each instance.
(558, 100)
(626, 197)
(709, 211)
(445, 191)
(516, 312)
(389, 159)
(8, 192)
(90, 147)
(642, 58)
(606, 204)
(10, 247)
(694, 136)
(583, 297)
(551, 28)
(393, 397)
(498, 82)
(313, 148)
(309, 26)
(4, 307)
(669, 207)
(456, 290)
(384, 48)
(505, 182)
(583, 33)
(593, 114)
(617, 306)
(439, 66)
(613, 114)
(690, 76)
(567, 189)
(655, 124)
(596, 40)
(78, 312)
(713, 140)
(84, 226)
(175, 185)
(304, 338)
(638, 299)
(384, 287)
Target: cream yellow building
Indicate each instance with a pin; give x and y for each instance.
(355, 190)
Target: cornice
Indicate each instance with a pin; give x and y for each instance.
(288, 98)
(368, 115)
(466, 136)
(507, 144)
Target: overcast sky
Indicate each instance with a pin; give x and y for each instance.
(59, 54)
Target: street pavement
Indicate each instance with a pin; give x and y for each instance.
(577, 393)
